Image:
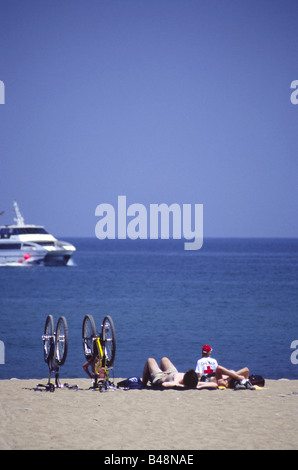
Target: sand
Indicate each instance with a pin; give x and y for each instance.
(148, 419)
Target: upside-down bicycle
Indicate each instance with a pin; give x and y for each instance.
(55, 346)
(100, 348)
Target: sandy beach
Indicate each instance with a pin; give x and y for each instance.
(146, 419)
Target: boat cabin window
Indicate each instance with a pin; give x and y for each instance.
(7, 232)
(46, 243)
(10, 246)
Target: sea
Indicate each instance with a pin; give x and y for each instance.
(240, 296)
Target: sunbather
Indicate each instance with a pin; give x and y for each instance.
(168, 376)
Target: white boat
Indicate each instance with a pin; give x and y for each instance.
(30, 244)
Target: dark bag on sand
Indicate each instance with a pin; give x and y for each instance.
(257, 380)
(132, 383)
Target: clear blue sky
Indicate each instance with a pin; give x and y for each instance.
(164, 101)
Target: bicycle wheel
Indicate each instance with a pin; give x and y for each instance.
(48, 339)
(109, 338)
(88, 333)
(61, 346)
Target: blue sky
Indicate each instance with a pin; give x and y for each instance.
(164, 101)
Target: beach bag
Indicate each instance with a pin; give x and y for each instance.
(132, 383)
(257, 380)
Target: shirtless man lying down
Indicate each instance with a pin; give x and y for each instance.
(167, 376)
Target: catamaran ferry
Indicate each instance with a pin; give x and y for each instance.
(31, 244)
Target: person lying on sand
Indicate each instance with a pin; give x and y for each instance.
(167, 376)
(227, 378)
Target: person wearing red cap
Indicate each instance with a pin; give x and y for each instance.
(206, 366)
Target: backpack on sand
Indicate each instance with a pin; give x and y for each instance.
(257, 380)
(132, 383)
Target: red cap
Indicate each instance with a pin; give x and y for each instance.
(206, 348)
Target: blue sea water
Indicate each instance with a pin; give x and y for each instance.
(238, 295)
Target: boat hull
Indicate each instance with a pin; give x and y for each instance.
(59, 253)
(56, 260)
(18, 254)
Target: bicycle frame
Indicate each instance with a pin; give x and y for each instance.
(52, 363)
(100, 345)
